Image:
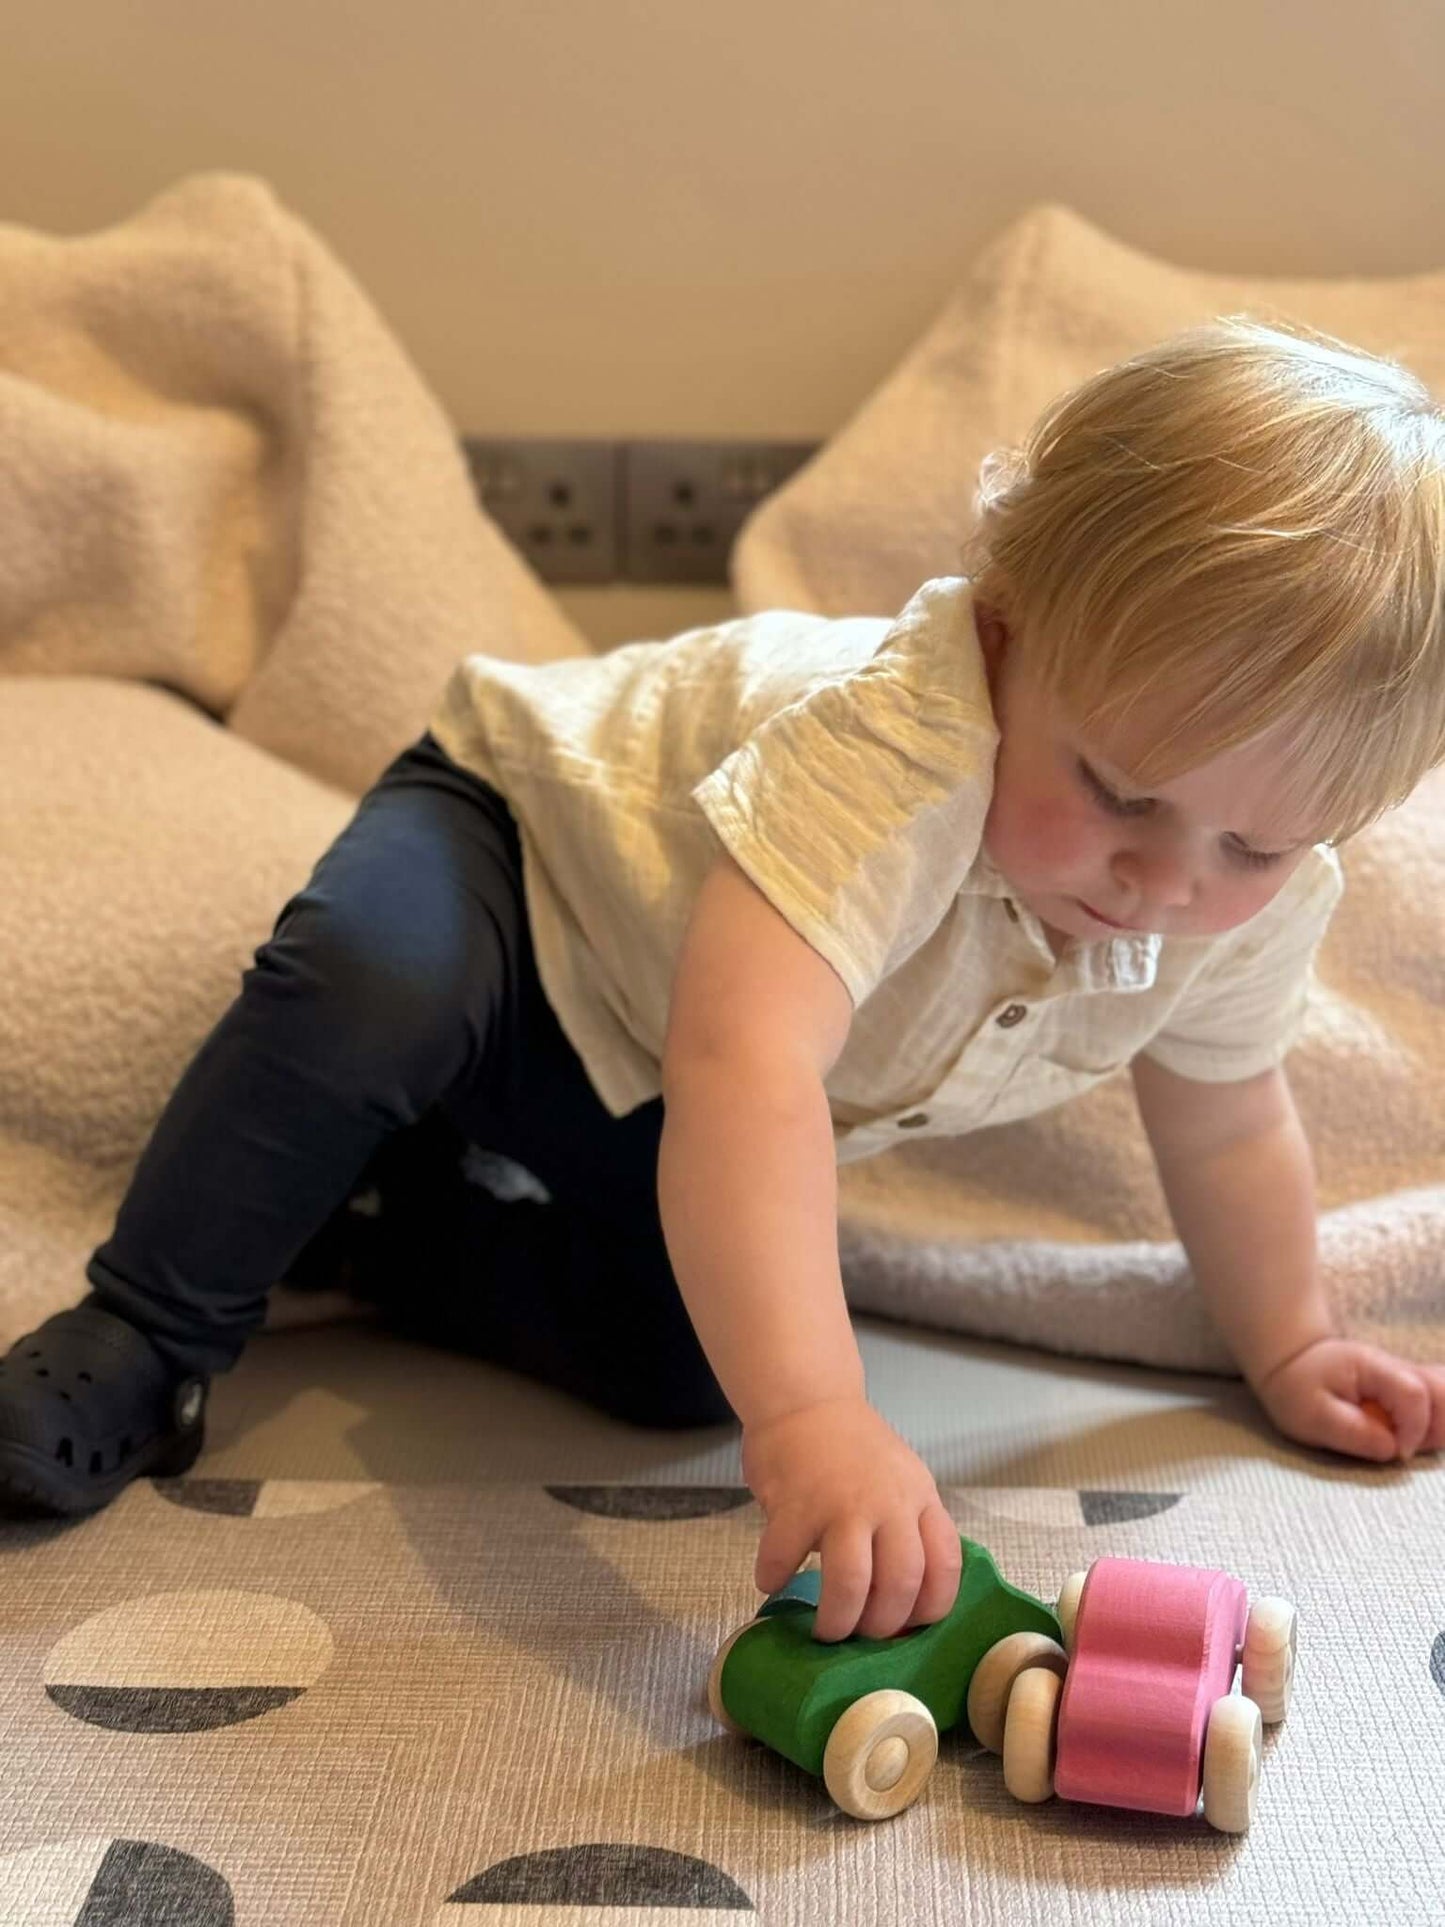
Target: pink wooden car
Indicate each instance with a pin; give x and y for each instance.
(1139, 1712)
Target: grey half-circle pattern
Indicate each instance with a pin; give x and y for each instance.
(91, 1881)
(169, 1709)
(187, 1662)
(1063, 1508)
(1117, 1508)
(234, 1498)
(265, 1498)
(652, 1502)
(282, 1498)
(604, 1873)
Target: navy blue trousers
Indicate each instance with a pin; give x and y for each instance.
(393, 1024)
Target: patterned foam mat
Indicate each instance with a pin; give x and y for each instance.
(379, 1705)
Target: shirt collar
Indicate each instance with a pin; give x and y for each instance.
(1127, 962)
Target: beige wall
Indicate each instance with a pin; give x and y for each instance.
(641, 217)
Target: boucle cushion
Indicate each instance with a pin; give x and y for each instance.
(147, 852)
(1052, 300)
(223, 473)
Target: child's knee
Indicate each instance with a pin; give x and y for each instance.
(362, 1001)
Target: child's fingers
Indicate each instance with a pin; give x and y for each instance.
(787, 1540)
(847, 1576)
(1363, 1428)
(1434, 1379)
(1371, 1409)
(943, 1566)
(1400, 1391)
(899, 1563)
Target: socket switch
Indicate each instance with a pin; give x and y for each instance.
(685, 501)
(556, 501)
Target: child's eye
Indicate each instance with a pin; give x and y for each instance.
(1256, 859)
(1118, 806)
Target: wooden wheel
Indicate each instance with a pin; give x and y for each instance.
(1030, 1734)
(1233, 1744)
(879, 1754)
(993, 1678)
(714, 1681)
(1067, 1609)
(1271, 1635)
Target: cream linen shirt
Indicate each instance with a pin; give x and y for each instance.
(847, 765)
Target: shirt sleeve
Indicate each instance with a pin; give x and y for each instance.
(1243, 1012)
(858, 810)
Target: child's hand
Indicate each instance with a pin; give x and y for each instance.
(836, 1476)
(1323, 1396)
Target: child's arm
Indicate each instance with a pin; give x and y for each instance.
(1239, 1179)
(747, 1182)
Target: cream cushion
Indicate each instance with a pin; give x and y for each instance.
(1053, 299)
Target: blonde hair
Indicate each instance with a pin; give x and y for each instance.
(1247, 520)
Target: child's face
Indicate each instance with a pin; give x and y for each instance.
(1179, 865)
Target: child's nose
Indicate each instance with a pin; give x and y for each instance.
(1161, 877)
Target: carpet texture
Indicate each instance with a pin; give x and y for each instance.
(373, 1702)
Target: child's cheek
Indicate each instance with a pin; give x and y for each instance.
(1232, 903)
(1059, 834)
(1037, 837)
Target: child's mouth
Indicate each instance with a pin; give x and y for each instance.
(1098, 916)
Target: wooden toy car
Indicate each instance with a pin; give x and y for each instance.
(1143, 1715)
(866, 1713)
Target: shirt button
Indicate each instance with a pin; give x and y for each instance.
(912, 1121)
(1015, 1014)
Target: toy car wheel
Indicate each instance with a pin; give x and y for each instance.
(1271, 1635)
(714, 1681)
(1067, 1610)
(1233, 1747)
(1030, 1734)
(879, 1754)
(993, 1678)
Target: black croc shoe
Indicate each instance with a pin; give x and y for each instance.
(87, 1404)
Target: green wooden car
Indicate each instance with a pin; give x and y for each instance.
(865, 1714)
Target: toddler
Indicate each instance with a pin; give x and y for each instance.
(677, 928)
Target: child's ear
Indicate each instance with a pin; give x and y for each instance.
(993, 635)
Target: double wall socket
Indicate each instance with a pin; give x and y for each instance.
(650, 511)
